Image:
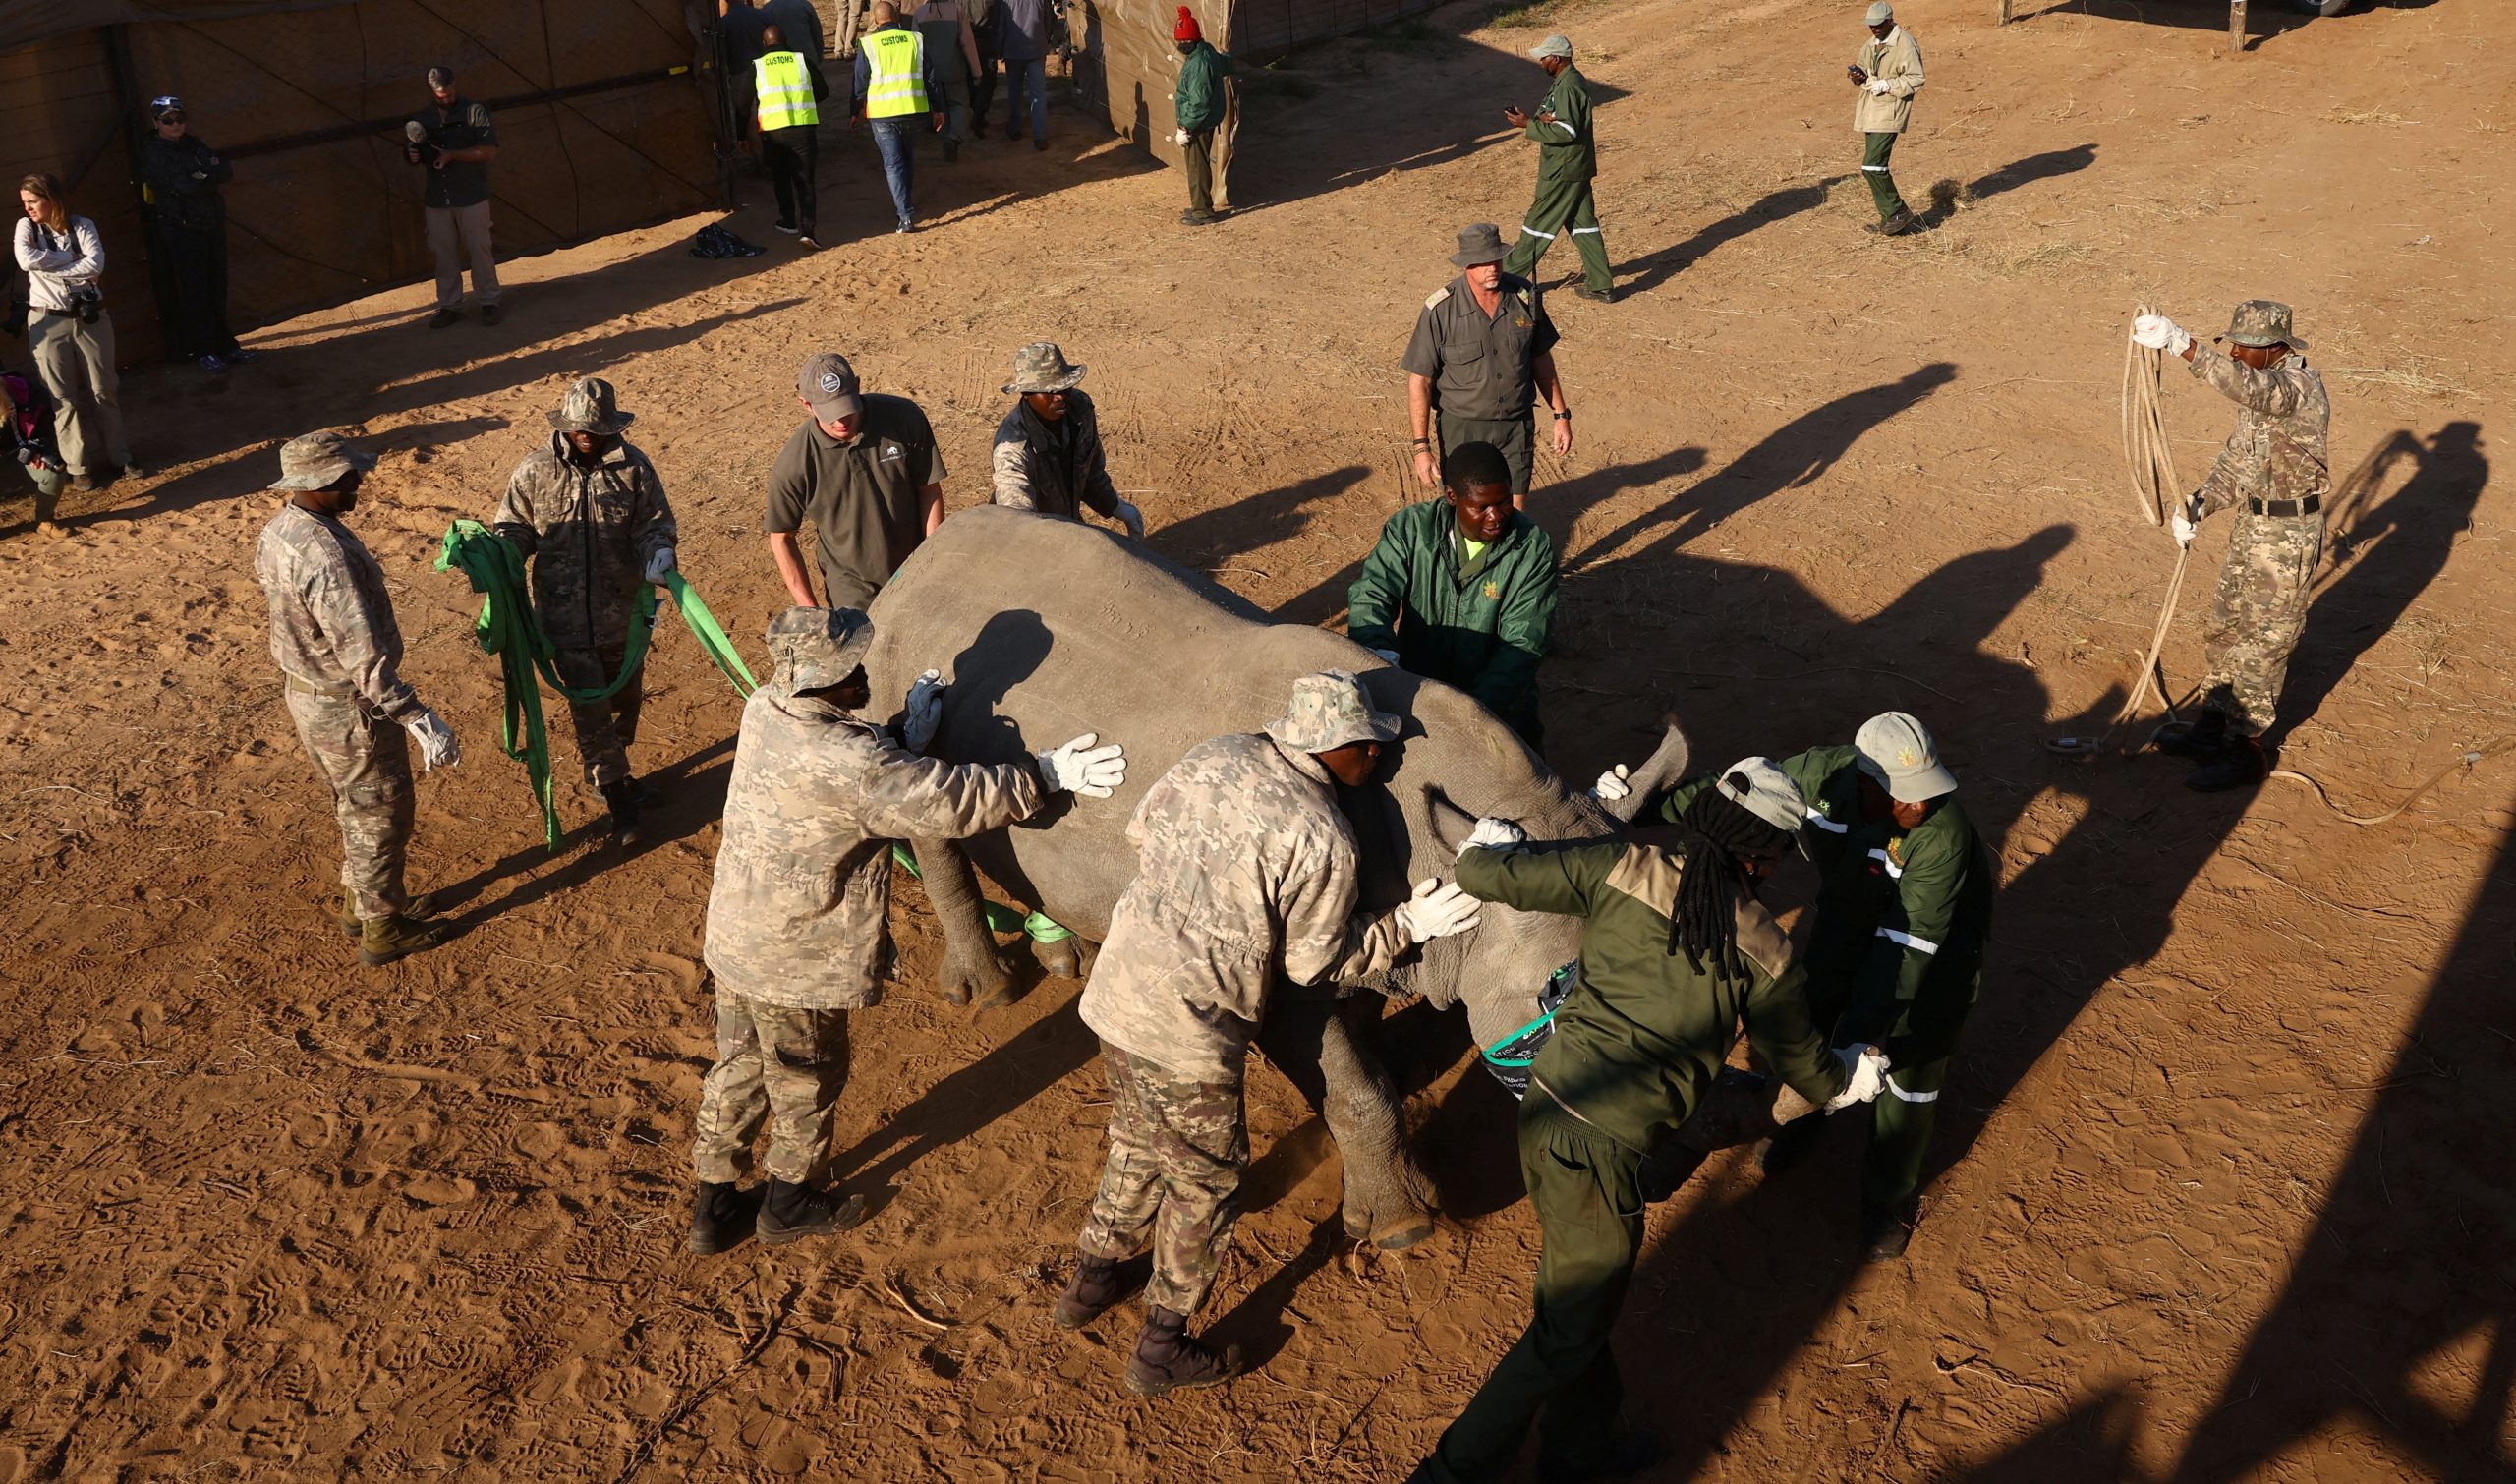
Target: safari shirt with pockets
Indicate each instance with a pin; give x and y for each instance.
(1899, 60)
(861, 498)
(1481, 368)
(1641, 1035)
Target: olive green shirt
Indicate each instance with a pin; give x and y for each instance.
(1481, 368)
(1642, 1034)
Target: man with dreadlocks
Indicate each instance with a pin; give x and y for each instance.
(1676, 955)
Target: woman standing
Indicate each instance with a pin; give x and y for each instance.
(183, 175)
(72, 336)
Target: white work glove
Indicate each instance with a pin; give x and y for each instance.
(1390, 655)
(1493, 834)
(659, 564)
(924, 711)
(1612, 786)
(1438, 909)
(2185, 520)
(2160, 333)
(1081, 768)
(1179, 137)
(1864, 1075)
(1132, 518)
(436, 739)
(1878, 87)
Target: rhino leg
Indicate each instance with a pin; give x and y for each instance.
(1064, 958)
(1315, 1043)
(972, 969)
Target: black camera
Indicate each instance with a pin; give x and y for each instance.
(87, 303)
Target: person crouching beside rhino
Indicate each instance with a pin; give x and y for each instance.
(1247, 872)
(797, 931)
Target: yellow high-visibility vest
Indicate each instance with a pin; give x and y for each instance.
(784, 86)
(896, 63)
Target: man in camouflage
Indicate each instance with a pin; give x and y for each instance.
(1048, 456)
(1248, 873)
(588, 511)
(796, 932)
(340, 651)
(2275, 465)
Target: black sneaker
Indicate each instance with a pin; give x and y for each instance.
(722, 1219)
(787, 227)
(444, 318)
(792, 1213)
(490, 313)
(1595, 295)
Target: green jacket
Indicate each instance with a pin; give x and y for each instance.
(1896, 953)
(1566, 149)
(1479, 625)
(1642, 1034)
(1198, 100)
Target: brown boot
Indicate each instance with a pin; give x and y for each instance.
(1097, 1287)
(382, 940)
(1167, 1360)
(422, 905)
(792, 1213)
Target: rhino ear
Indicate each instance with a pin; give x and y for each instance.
(1434, 819)
(1663, 771)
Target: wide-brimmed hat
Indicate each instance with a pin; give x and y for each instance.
(318, 461)
(1553, 46)
(1894, 749)
(1041, 366)
(2259, 323)
(818, 646)
(591, 406)
(1329, 711)
(1479, 243)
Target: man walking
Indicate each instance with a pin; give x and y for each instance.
(895, 89)
(454, 142)
(337, 645)
(2277, 466)
(1567, 161)
(789, 90)
(589, 514)
(953, 53)
(1022, 40)
(1047, 449)
(1198, 101)
(1896, 956)
(1462, 589)
(1248, 875)
(183, 175)
(1887, 74)
(797, 918)
(1677, 954)
(1482, 354)
(864, 470)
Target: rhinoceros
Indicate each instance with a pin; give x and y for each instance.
(1047, 628)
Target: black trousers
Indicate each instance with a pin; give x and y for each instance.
(793, 157)
(198, 255)
(982, 89)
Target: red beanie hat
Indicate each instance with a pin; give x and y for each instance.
(1186, 30)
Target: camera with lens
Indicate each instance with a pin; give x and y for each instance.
(87, 303)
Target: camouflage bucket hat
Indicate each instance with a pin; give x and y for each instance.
(1329, 711)
(591, 406)
(1042, 367)
(818, 646)
(2259, 323)
(318, 461)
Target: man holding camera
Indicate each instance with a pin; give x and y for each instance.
(455, 142)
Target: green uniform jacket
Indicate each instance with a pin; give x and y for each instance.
(1198, 100)
(1568, 150)
(1642, 1034)
(1902, 915)
(1479, 625)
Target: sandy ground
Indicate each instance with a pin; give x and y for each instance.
(2227, 1192)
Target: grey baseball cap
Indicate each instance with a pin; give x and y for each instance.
(1768, 794)
(1879, 11)
(828, 385)
(1894, 749)
(1553, 46)
(1329, 711)
(318, 461)
(818, 646)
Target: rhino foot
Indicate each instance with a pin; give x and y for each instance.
(982, 977)
(1061, 959)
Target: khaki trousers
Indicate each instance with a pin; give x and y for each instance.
(76, 363)
(457, 234)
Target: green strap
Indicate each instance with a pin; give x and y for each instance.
(1000, 918)
(509, 628)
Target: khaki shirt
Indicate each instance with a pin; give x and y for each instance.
(1246, 871)
(2278, 449)
(589, 532)
(797, 915)
(331, 620)
(861, 498)
(1481, 368)
(1897, 59)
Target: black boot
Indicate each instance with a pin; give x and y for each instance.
(1790, 1144)
(622, 796)
(1885, 1229)
(1097, 1287)
(2242, 763)
(2200, 740)
(1630, 1453)
(792, 1213)
(1167, 1360)
(722, 1219)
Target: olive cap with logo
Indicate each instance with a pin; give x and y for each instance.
(828, 385)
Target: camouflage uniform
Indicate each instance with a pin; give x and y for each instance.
(1247, 872)
(589, 530)
(797, 932)
(2277, 454)
(334, 638)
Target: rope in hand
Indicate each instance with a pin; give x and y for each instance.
(509, 628)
